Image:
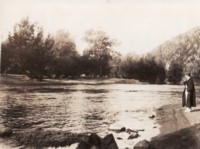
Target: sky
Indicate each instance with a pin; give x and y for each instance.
(138, 25)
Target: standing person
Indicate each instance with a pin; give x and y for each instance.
(189, 97)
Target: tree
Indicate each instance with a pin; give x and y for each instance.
(175, 73)
(144, 69)
(128, 66)
(29, 49)
(114, 64)
(5, 58)
(99, 53)
(152, 71)
(65, 62)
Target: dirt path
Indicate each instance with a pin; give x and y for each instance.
(179, 130)
(171, 118)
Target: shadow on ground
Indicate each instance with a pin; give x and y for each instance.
(196, 110)
(187, 138)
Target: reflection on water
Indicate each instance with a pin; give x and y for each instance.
(79, 108)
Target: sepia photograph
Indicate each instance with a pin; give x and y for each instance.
(99, 74)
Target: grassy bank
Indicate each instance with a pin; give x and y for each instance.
(10, 79)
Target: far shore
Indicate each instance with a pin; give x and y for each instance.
(21, 79)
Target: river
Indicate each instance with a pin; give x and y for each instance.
(80, 107)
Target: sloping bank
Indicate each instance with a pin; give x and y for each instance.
(179, 130)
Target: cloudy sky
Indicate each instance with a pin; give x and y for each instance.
(139, 25)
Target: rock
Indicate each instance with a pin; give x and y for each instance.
(95, 142)
(90, 142)
(129, 131)
(95, 139)
(133, 136)
(144, 144)
(83, 145)
(72, 146)
(117, 128)
(6, 133)
(95, 147)
(184, 138)
(85, 138)
(119, 138)
(152, 116)
(108, 142)
(141, 130)
(122, 129)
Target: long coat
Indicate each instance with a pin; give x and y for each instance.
(191, 97)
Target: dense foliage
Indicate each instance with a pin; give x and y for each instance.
(97, 57)
(29, 51)
(144, 69)
(175, 73)
(65, 56)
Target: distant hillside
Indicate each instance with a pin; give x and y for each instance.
(183, 49)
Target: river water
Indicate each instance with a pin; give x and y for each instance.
(80, 107)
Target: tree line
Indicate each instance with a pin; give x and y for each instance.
(27, 50)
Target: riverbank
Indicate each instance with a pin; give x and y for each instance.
(179, 130)
(12, 79)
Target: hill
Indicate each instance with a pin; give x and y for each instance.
(183, 49)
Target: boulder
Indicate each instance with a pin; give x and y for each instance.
(108, 142)
(87, 142)
(95, 142)
(95, 139)
(144, 144)
(83, 145)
